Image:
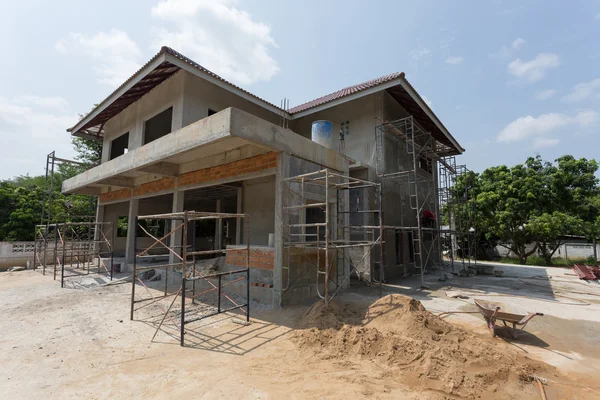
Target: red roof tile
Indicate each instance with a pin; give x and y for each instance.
(345, 92)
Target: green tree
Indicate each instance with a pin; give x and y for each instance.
(508, 198)
(549, 231)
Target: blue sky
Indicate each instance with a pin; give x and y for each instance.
(508, 78)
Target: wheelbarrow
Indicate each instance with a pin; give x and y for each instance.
(491, 311)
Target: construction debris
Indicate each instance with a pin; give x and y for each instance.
(587, 272)
(419, 349)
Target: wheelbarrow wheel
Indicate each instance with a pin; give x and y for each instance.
(491, 326)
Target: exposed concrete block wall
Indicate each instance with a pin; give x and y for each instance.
(258, 200)
(260, 257)
(299, 284)
(168, 94)
(200, 96)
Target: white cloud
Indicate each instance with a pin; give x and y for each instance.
(454, 60)
(583, 90)
(533, 70)
(418, 54)
(507, 51)
(545, 94)
(542, 142)
(518, 43)
(55, 102)
(115, 56)
(219, 36)
(531, 127)
(62, 46)
(29, 133)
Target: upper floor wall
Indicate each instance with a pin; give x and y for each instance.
(131, 120)
(201, 98)
(189, 99)
(186, 98)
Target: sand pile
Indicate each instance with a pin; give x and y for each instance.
(425, 351)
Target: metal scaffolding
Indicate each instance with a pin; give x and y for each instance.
(72, 248)
(411, 163)
(183, 250)
(318, 235)
(52, 164)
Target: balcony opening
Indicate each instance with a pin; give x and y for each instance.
(158, 126)
(118, 146)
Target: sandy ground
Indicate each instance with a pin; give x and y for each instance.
(79, 343)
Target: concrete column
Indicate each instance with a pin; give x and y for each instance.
(283, 161)
(131, 230)
(176, 237)
(99, 218)
(238, 222)
(136, 136)
(98, 228)
(218, 228)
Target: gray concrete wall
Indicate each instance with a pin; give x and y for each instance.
(258, 200)
(360, 142)
(168, 94)
(200, 95)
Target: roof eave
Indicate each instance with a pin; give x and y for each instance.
(417, 98)
(155, 62)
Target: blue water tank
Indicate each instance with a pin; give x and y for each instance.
(322, 133)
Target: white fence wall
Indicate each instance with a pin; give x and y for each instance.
(15, 254)
(567, 250)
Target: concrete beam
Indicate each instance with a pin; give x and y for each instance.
(161, 168)
(259, 131)
(216, 135)
(199, 133)
(119, 181)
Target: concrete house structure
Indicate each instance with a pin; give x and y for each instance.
(178, 137)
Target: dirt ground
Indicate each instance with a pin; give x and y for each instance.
(79, 343)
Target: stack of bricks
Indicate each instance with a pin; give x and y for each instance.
(260, 259)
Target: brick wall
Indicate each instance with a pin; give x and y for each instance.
(154, 186)
(259, 258)
(240, 167)
(115, 195)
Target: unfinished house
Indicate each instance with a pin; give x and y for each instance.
(363, 203)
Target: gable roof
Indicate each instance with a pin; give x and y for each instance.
(168, 61)
(160, 67)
